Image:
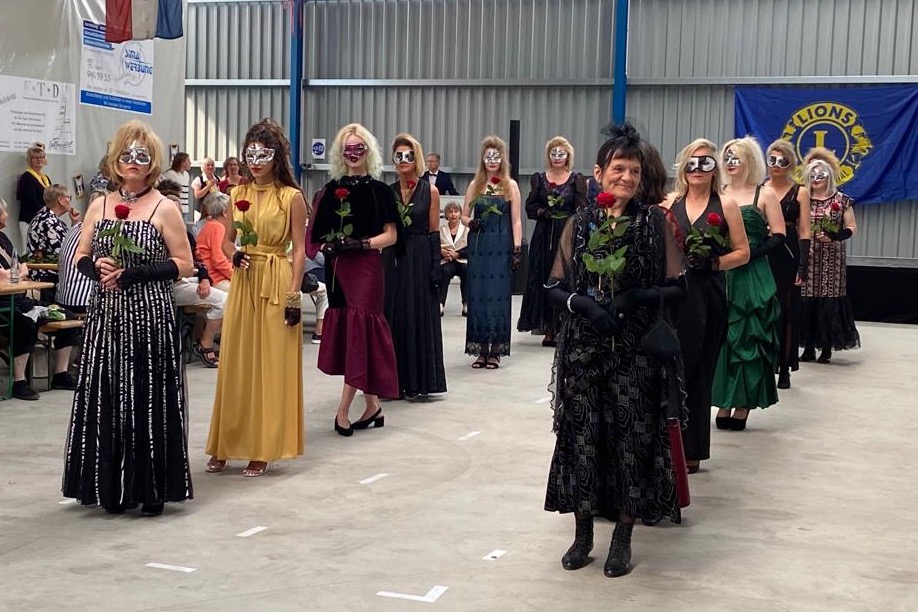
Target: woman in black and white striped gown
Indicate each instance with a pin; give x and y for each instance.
(127, 444)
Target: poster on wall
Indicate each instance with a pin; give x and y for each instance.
(117, 76)
(34, 110)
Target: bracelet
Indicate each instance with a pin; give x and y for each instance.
(569, 298)
(293, 299)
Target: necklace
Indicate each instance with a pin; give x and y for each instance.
(129, 197)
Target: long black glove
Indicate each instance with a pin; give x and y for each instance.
(238, 258)
(599, 317)
(701, 263)
(803, 270)
(87, 267)
(164, 270)
(475, 225)
(673, 291)
(842, 234)
(516, 258)
(352, 244)
(436, 274)
(773, 241)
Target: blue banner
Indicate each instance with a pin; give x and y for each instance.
(872, 130)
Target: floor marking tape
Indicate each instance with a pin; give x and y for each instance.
(372, 479)
(432, 595)
(173, 568)
(468, 436)
(250, 532)
(494, 555)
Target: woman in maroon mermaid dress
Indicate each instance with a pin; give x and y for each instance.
(355, 219)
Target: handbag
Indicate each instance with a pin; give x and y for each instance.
(310, 283)
(660, 340)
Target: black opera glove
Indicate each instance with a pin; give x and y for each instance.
(586, 307)
(352, 244)
(292, 312)
(701, 263)
(87, 267)
(803, 270)
(162, 271)
(475, 225)
(238, 258)
(516, 258)
(773, 241)
(840, 235)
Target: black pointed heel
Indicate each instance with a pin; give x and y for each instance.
(377, 420)
(344, 431)
(723, 422)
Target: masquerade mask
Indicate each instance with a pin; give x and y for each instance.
(818, 174)
(403, 157)
(701, 163)
(135, 154)
(492, 156)
(778, 161)
(256, 155)
(355, 152)
(558, 154)
(731, 160)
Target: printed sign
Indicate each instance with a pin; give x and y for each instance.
(33, 110)
(118, 76)
(318, 148)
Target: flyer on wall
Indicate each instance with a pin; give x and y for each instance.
(35, 110)
(117, 76)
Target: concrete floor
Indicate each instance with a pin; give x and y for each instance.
(813, 507)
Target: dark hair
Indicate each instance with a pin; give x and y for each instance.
(271, 135)
(653, 175)
(178, 160)
(169, 187)
(437, 155)
(623, 142)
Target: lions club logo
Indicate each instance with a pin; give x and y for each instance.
(831, 125)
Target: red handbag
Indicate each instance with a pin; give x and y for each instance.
(674, 429)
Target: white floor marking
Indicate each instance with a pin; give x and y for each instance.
(468, 436)
(547, 398)
(174, 568)
(250, 532)
(431, 596)
(67, 502)
(494, 555)
(373, 478)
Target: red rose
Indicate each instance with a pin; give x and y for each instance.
(122, 211)
(243, 205)
(714, 220)
(495, 180)
(605, 200)
(341, 193)
(835, 207)
(552, 185)
(411, 184)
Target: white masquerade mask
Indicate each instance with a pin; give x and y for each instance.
(135, 154)
(257, 155)
(492, 156)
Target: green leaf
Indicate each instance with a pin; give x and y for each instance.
(239, 225)
(133, 248)
(348, 229)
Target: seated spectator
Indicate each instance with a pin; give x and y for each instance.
(73, 288)
(100, 182)
(25, 329)
(210, 241)
(454, 240)
(316, 267)
(46, 234)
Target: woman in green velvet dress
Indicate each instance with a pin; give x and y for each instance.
(745, 374)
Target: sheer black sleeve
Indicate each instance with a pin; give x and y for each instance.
(534, 200)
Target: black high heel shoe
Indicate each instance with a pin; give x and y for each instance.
(738, 424)
(808, 354)
(825, 356)
(723, 422)
(377, 420)
(344, 431)
(784, 379)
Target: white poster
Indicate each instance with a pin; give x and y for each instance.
(33, 110)
(118, 76)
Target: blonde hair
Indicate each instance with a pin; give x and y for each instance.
(831, 187)
(373, 159)
(54, 192)
(750, 153)
(786, 149)
(36, 149)
(481, 174)
(4, 207)
(825, 155)
(407, 140)
(126, 134)
(680, 184)
(560, 141)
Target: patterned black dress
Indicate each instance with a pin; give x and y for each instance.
(127, 442)
(536, 314)
(784, 262)
(612, 452)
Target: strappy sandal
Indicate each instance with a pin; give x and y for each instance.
(480, 362)
(215, 465)
(251, 472)
(493, 363)
(209, 356)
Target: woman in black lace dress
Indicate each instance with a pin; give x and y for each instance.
(554, 195)
(612, 456)
(790, 262)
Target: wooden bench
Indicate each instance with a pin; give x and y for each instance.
(49, 330)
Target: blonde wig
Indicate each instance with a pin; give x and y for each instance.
(560, 141)
(126, 134)
(750, 153)
(680, 184)
(373, 160)
(825, 155)
(481, 175)
(786, 149)
(407, 140)
(820, 164)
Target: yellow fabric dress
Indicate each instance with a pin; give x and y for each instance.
(258, 408)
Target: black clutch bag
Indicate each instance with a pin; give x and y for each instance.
(661, 340)
(310, 283)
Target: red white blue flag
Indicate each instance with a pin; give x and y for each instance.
(142, 19)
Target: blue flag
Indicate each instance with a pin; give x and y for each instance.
(872, 130)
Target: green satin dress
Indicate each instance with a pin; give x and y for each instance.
(745, 375)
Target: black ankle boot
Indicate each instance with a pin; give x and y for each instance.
(784, 379)
(578, 554)
(808, 354)
(825, 356)
(619, 561)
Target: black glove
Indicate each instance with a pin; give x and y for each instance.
(436, 274)
(292, 316)
(701, 263)
(600, 318)
(87, 267)
(352, 244)
(516, 258)
(773, 241)
(545, 213)
(202, 272)
(238, 257)
(162, 271)
(474, 225)
(803, 271)
(842, 234)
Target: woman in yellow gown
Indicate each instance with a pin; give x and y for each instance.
(258, 408)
